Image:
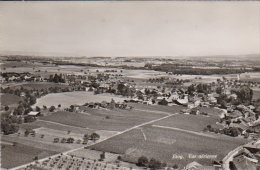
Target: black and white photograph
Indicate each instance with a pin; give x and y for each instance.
(130, 85)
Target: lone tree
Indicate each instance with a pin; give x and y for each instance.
(6, 108)
(112, 104)
(102, 156)
(52, 108)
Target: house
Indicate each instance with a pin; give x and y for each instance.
(34, 113)
(244, 159)
(196, 166)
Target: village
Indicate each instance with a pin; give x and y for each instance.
(231, 102)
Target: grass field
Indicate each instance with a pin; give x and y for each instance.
(9, 99)
(118, 119)
(190, 122)
(78, 97)
(162, 144)
(160, 108)
(19, 154)
(39, 123)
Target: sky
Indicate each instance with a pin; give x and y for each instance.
(130, 28)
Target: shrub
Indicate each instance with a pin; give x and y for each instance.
(6, 108)
(70, 140)
(28, 119)
(94, 136)
(56, 140)
(63, 140)
(154, 164)
(102, 156)
(142, 161)
(163, 102)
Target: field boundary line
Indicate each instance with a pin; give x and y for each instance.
(154, 111)
(57, 123)
(185, 131)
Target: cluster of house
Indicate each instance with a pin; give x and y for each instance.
(98, 105)
(17, 77)
(244, 157)
(244, 118)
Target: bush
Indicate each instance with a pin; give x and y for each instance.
(119, 158)
(6, 108)
(175, 166)
(142, 161)
(163, 102)
(28, 119)
(70, 140)
(56, 140)
(154, 164)
(94, 136)
(63, 140)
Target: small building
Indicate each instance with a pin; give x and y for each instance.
(34, 113)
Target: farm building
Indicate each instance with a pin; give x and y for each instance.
(33, 113)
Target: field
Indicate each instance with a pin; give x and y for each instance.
(163, 144)
(55, 126)
(196, 122)
(9, 99)
(19, 154)
(117, 120)
(78, 97)
(157, 108)
(14, 64)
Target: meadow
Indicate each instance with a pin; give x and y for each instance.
(38, 85)
(195, 122)
(162, 144)
(19, 154)
(9, 99)
(78, 97)
(115, 120)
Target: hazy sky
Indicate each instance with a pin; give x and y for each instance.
(130, 28)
